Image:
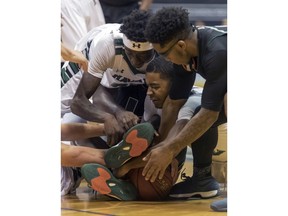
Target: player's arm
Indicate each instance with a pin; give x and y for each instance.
(82, 107)
(74, 56)
(81, 104)
(77, 156)
(76, 131)
(179, 92)
(106, 103)
(169, 115)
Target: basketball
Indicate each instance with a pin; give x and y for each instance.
(148, 191)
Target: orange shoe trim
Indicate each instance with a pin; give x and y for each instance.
(138, 144)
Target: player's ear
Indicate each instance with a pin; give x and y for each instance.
(181, 44)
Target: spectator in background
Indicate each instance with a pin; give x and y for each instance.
(114, 11)
(77, 18)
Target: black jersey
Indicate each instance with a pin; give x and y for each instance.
(211, 64)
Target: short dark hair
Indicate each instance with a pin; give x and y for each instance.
(162, 66)
(134, 25)
(168, 23)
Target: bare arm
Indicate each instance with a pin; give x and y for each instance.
(104, 107)
(169, 115)
(77, 156)
(194, 129)
(81, 105)
(171, 147)
(76, 131)
(139, 162)
(105, 110)
(74, 56)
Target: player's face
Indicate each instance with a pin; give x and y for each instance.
(139, 58)
(158, 88)
(173, 51)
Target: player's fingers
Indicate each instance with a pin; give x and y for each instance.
(124, 124)
(161, 174)
(108, 140)
(156, 133)
(130, 124)
(135, 121)
(146, 158)
(152, 174)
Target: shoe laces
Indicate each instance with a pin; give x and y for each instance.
(184, 176)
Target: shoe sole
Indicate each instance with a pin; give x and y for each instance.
(203, 195)
(135, 141)
(102, 180)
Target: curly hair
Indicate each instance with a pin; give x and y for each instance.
(168, 23)
(134, 25)
(162, 66)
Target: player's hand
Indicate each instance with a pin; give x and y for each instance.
(113, 131)
(158, 159)
(174, 169)
(126, 119)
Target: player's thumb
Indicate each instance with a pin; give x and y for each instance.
(146, 158)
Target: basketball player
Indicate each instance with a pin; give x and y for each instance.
(200, 50)
(159, 75)
(118, 55)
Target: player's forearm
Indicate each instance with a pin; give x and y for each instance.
(76, 131)
(169, 115)
(86, 110)
(77, 156)
(105, 102)
(194, 129)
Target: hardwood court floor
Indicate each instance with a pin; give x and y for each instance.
(85, 203)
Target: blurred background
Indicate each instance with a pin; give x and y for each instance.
(201, 12)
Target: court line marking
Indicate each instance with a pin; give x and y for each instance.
(90, 212)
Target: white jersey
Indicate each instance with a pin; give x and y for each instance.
(77, 18)
(103, 46)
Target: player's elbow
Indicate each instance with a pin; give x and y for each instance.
(76, 105)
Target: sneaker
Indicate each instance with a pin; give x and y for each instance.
(203, 187)
(135, 141)
(102, 180)
(219, 206)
